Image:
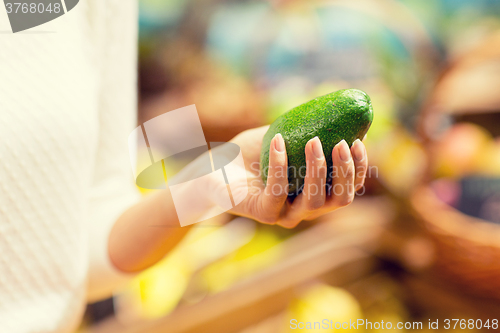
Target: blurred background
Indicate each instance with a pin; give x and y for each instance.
(422, 240)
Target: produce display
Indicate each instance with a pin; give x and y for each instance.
(427, 67)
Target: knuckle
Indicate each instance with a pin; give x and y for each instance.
(277, 191)
(280, 172)
(314, 205)
(361, 172)
(270, 219)
(361, 168)
(346, 200)
(350, 172)
(278, 197)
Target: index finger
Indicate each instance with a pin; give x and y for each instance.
(276, 190)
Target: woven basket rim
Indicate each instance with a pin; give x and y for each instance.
(445, 220)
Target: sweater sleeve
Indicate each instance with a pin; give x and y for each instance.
(113, 190)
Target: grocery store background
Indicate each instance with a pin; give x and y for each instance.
(422, 242)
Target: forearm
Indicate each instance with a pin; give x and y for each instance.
(144, 233)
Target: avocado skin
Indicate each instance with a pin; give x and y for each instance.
(342, 115)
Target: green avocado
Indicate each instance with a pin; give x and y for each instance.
(342, 115)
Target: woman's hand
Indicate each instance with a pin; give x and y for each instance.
(134, 245)
(268, 203)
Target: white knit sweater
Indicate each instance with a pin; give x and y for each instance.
(67, 105)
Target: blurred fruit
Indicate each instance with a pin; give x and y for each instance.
(398, 159)
(462, 150)
(155, 292)
(323, 302)
(489, 160)
(242, 263)
(389, 311)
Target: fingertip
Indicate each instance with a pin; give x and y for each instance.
(279, 143)
(316, 148)
(277, 179)
(343, 152)
(358, 151)
(277, 153)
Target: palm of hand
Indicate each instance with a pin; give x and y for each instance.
(267, 203)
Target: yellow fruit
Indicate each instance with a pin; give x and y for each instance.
(244, 262)
(458, 152)
(161, 288)
(323, 308)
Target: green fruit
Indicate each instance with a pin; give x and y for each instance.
(342, 115)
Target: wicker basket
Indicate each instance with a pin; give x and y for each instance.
(467, 248)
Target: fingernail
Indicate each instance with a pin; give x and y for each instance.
(344, 153)
(279, 144)
(317, 148)
(358, 151)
